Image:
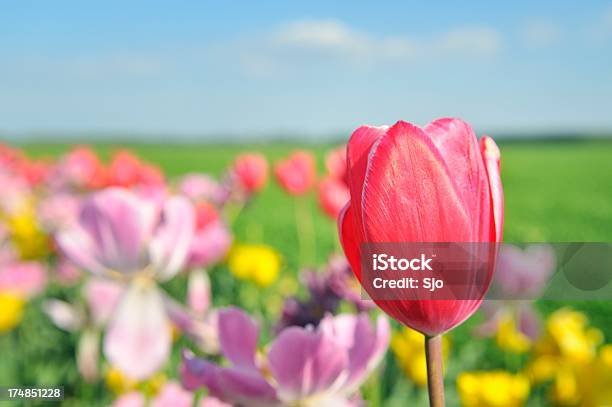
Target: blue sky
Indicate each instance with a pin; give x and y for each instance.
(256, 68)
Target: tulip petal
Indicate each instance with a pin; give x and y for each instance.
(170, 245)
(407, 179)
(349, 238)
(64, 315)
(305, 363)
(357, 153)
(138, 339)
(131, 399)
(76, 244)
(366, 345)
(119, 224)
(102, 297)
(491, 156)
(198, 292)
(172, 395)
(238, 335)
(233, 385)
(458, 145)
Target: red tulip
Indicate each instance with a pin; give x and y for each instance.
(431, 184)
(297, 173)
(252, 171)
(126, 170)
(333, 195)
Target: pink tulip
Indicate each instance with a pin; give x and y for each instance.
(24, 279)
(252, 171)
(440, 184)
(297, 173)
(201, 187)
(123, 236)
(431, 184)
(326, 364)
(212, 239)
(333, 196)
(80, 168)
(126, 170)
(170, 395)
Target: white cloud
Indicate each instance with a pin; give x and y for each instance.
(328, 40)
(540, 33)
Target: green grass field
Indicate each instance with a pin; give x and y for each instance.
(554, 191)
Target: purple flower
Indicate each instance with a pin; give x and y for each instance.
(521, 275)
(123, 236)
(304, 366)
(326, 289)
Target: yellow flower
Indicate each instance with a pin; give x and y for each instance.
(119, 383)
(492, 389)
(408, 347)
(258, 263)
(27, 236)
(567, 355)
(509, 338)
(11, 311)
(567, 340)
(595, 382)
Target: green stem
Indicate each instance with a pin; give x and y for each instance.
(305, 231)
(435, 372)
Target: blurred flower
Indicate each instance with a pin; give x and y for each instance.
(170, 395)
(509, 338)
(198, 292)
(66, 272)
(19, 281)
(333, 196)
(120, 235)
(212, 239)
(57, 211)
(101, 297)
(567, 355)
(492, 389)
(442, 183)
(201, 187)
(326, 289)
(126, 170)
(251, 169)
(258, 263)
(523, 273)
(12, 311)
(407, 346)
(596, 384)
(26, 234)
(335, 163)
(303, 366)
(79, 169)
(520, 277)
(118, 383)
(23, 279)
(297, 173)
